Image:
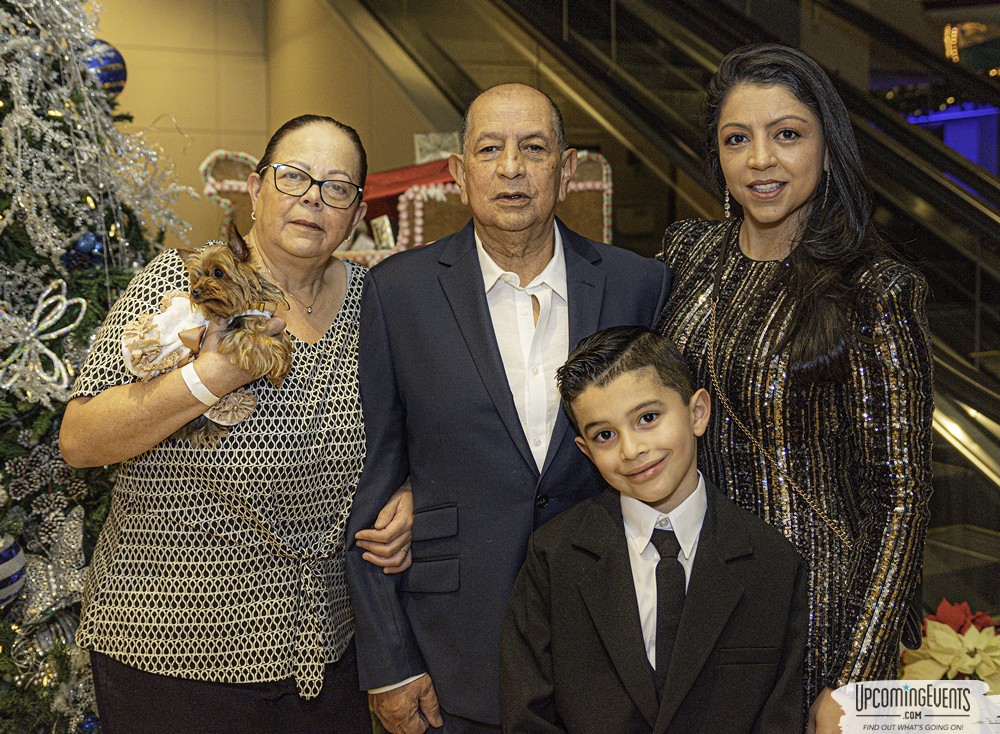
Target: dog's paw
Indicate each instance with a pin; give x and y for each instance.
(202, 433)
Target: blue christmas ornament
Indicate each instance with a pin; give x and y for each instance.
(108, 66)
(87, 243)
(89, 725)
(11, 569)
(87, 252)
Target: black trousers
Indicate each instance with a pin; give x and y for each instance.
(131, 701)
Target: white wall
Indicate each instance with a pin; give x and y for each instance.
(210, 74)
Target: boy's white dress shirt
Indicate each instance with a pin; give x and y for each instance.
(640, 521)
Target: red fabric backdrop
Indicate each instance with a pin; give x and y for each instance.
(382, 189)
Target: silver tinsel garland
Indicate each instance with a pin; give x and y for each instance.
(81, 169)
(68, 172)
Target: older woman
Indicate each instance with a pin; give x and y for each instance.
(814, 342)
(216, 598)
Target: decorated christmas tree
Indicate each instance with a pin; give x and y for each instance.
(77, 199)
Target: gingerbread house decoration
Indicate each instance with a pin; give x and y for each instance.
(225, 174)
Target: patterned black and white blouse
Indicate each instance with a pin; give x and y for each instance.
(227, 564)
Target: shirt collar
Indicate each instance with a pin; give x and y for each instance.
(686, 519)
(554, 274)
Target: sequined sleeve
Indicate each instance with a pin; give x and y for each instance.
(891, 407)
(675, 239)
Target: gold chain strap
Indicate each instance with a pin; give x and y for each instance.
(834, 528)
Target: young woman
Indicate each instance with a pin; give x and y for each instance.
(814, 343)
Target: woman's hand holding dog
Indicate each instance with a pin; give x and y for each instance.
(126, 420)
(218, 373)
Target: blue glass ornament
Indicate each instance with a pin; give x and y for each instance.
(108, 66)
(11, 569)
(89, 725)
(86, 253)
(87, 243)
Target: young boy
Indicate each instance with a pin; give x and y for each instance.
(603, 636)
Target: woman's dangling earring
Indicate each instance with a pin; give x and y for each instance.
(726, 208)
(253, 215)
(826, 189)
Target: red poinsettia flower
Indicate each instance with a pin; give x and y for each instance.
(960, 617)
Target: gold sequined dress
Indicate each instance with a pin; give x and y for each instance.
(861, 449)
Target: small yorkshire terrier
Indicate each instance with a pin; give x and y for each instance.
(226, 285)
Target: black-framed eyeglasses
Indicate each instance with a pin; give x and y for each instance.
(295, 182)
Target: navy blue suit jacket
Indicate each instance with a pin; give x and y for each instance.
(438, 408)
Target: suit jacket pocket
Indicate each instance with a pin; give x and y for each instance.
(434, 576)
(435, 533)
(749, 655)
(437, 522)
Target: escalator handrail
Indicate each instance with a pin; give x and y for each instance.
(977, 216)
(457, 87)
(967, 212)
(973, 387)
(956, 73)
(680, 141)
(703, 54)
(923, 143)
(974, 216)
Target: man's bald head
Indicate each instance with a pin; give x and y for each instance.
(501, 90)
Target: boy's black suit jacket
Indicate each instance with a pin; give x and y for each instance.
(572, 653)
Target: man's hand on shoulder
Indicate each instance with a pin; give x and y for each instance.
(409, 709)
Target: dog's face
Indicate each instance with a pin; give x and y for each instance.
(221, 285)
(224, 280)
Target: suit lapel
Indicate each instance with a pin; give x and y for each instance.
(609, 595)
(713, 593)
(463, 286)
(585, 289)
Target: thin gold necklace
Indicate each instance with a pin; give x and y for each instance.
(309, 308)
(732, 238)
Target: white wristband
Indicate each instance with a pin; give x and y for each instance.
(197, 387)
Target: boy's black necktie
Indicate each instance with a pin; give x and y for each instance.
(670, 591)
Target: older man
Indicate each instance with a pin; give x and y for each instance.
(460, 341)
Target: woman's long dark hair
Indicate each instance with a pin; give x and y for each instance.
(837, 239)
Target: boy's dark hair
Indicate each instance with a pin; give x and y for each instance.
(602, 357)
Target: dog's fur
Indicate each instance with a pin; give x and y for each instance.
(224, 284)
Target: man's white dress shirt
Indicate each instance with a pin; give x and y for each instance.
(531, 352)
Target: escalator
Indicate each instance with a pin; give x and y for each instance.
(629, 75)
